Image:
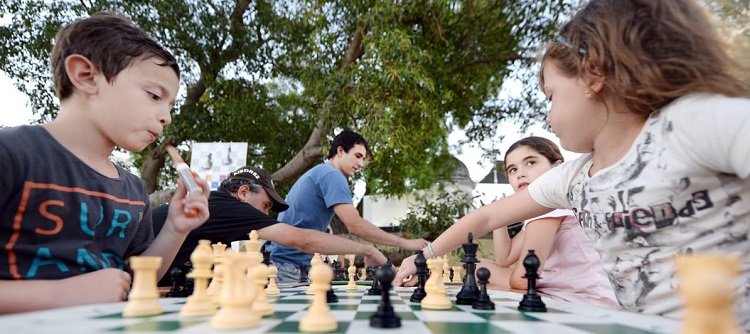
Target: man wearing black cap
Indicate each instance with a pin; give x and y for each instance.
(240, 205)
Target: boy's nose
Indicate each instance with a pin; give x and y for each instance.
(166, 119)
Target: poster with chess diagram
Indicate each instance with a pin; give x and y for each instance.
(214, 161)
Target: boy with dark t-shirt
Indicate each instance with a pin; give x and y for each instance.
(69, 217)
(241, 205)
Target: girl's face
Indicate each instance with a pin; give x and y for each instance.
(575, 116)
(524, 165)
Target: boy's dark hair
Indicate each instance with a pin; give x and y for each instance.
(543, 146)
(110, 41)
(347, 139)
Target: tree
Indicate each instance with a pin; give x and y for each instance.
(284, 76)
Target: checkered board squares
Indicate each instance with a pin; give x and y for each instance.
(353, 311)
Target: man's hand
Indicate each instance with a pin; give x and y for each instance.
(407, 268)
(414, 244)
(374, 257)
(108, 285)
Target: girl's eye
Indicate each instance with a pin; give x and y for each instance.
(154, 96)
(530, 163)
(511, 171)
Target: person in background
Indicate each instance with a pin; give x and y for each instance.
(242, 204)
(322, 191)
(571, 268)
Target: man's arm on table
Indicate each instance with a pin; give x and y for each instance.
(366, 230)
(313, 241)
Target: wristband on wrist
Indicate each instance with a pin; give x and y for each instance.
(432, 252)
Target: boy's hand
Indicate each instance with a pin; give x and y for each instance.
(181, 215)
(108, 285)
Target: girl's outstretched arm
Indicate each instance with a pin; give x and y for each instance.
(539, 236)
(499, 214)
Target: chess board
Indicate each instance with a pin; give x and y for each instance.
(352, 311)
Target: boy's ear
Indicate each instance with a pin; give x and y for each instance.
(81, 72)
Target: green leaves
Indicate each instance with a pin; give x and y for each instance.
(404, 74)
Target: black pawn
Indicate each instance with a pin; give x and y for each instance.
(469, 292)
(419, 293)
(303, 278)
(385, 317)
(375, 290)
(178, 283)
(331, 296)
(531, 301)
(483, 302)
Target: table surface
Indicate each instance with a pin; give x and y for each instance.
(352, 312)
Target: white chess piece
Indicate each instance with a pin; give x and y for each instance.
(352, 285)
(237, 295)
(144, 297)
(272, 288)
(457, 274)
(318, 317)
(437, 295)
(200, 303)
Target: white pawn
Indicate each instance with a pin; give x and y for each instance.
(218, 258)
(352, 285)
(316, 259)
(272, 288)
(144, 297)
(200, 303)
(318, 317)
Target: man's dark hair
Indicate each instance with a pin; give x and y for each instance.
(110, 41)
(347, 139)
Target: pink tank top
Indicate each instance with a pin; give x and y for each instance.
(573, 271)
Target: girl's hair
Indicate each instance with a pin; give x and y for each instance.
(647, 52)
(543, 146)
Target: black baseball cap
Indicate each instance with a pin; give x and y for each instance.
(261, 177)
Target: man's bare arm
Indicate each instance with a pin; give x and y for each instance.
(366, 230)
(313, 241)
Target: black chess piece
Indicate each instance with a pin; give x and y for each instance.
(376, 289)
(187, 268)
(331, 296)
(369, 271)
(531, 301)
(266, 255)
(419, 293)
(178, 283)
(303, 274)
(483, 302)
(469, 292)
(385, 317)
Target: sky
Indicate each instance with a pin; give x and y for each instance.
(16, 112)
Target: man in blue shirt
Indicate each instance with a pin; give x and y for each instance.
(323, 191)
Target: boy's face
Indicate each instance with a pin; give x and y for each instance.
(133, 109)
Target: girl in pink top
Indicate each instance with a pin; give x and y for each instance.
(571, 269)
